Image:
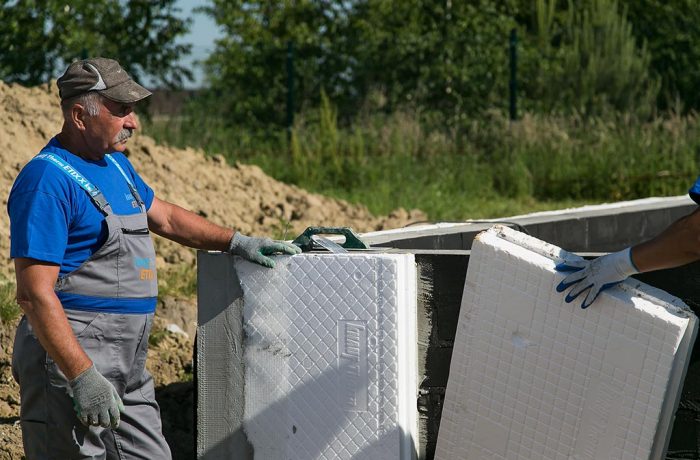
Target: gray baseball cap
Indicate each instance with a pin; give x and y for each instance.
(103, 75)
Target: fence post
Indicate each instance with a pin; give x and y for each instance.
(290, 88)
(513, 74)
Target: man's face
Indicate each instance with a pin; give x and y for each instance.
(111, 128)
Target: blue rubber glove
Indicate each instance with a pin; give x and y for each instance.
(593, 276)
(96, 400)
(256, 249)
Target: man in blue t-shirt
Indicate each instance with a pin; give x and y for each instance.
(678, 245)
(80, 220)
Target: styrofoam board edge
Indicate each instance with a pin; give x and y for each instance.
(674, 392)
(408, 359)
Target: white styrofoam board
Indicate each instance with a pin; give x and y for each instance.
(534, 377)
(330, 357)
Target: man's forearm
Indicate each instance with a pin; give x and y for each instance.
(50, 325)
(678, 245)
(187, 228)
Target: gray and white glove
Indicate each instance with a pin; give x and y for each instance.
(95, 399)
(595, 275)
(256, 249)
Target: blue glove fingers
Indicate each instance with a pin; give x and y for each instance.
(569, 267)
(576, 291)
(571, 279)
(563, 286)
(591, 296)
(588, 301)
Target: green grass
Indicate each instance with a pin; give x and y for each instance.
(9, 310)
(488, 168)
(177, 281)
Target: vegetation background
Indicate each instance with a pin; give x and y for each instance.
(406, 102)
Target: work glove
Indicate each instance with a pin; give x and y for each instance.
(593, 276)
(95, 399)
(256, 249)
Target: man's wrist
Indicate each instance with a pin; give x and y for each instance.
(234, 242)
(76, 366)
(82, 375)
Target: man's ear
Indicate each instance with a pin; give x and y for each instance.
(78, 115)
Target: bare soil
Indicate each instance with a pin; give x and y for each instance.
(241, 196)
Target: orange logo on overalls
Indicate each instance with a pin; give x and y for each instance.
(145, 266)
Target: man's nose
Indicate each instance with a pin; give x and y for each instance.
(131, 121)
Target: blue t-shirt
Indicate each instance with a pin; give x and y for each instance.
(53, 219)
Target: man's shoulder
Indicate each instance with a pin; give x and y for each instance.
(39, 175)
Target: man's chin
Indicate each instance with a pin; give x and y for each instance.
(120, 146)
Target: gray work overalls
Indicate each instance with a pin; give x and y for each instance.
(116, 343)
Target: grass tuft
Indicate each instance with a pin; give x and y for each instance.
(489, 167)
(9, 310)
(178, 281)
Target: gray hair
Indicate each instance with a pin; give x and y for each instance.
(91, 101)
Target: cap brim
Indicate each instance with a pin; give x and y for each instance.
(128, 92)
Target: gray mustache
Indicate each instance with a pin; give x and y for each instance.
(123, 134)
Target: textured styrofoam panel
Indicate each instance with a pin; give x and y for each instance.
(330, 357)
(534, 377)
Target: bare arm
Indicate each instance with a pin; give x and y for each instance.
(185, 227)
(678, 245)
(36, 296)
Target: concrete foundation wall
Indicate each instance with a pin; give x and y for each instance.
(601, 228)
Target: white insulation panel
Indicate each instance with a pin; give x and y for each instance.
(330, 357)
(533, 377)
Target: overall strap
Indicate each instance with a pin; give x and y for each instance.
(95, 194)
(131, 185)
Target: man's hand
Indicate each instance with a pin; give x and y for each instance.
(256, 249)
(96, 400)
(595, 275)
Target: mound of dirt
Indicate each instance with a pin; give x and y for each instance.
(242, 197)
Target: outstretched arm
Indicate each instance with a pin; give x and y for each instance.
(185, 227)
(678, 245)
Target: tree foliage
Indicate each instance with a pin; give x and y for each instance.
(247, 71)
(449, 56)
(39, 37)
(671, 30)
(447, 60)
(584, 58)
